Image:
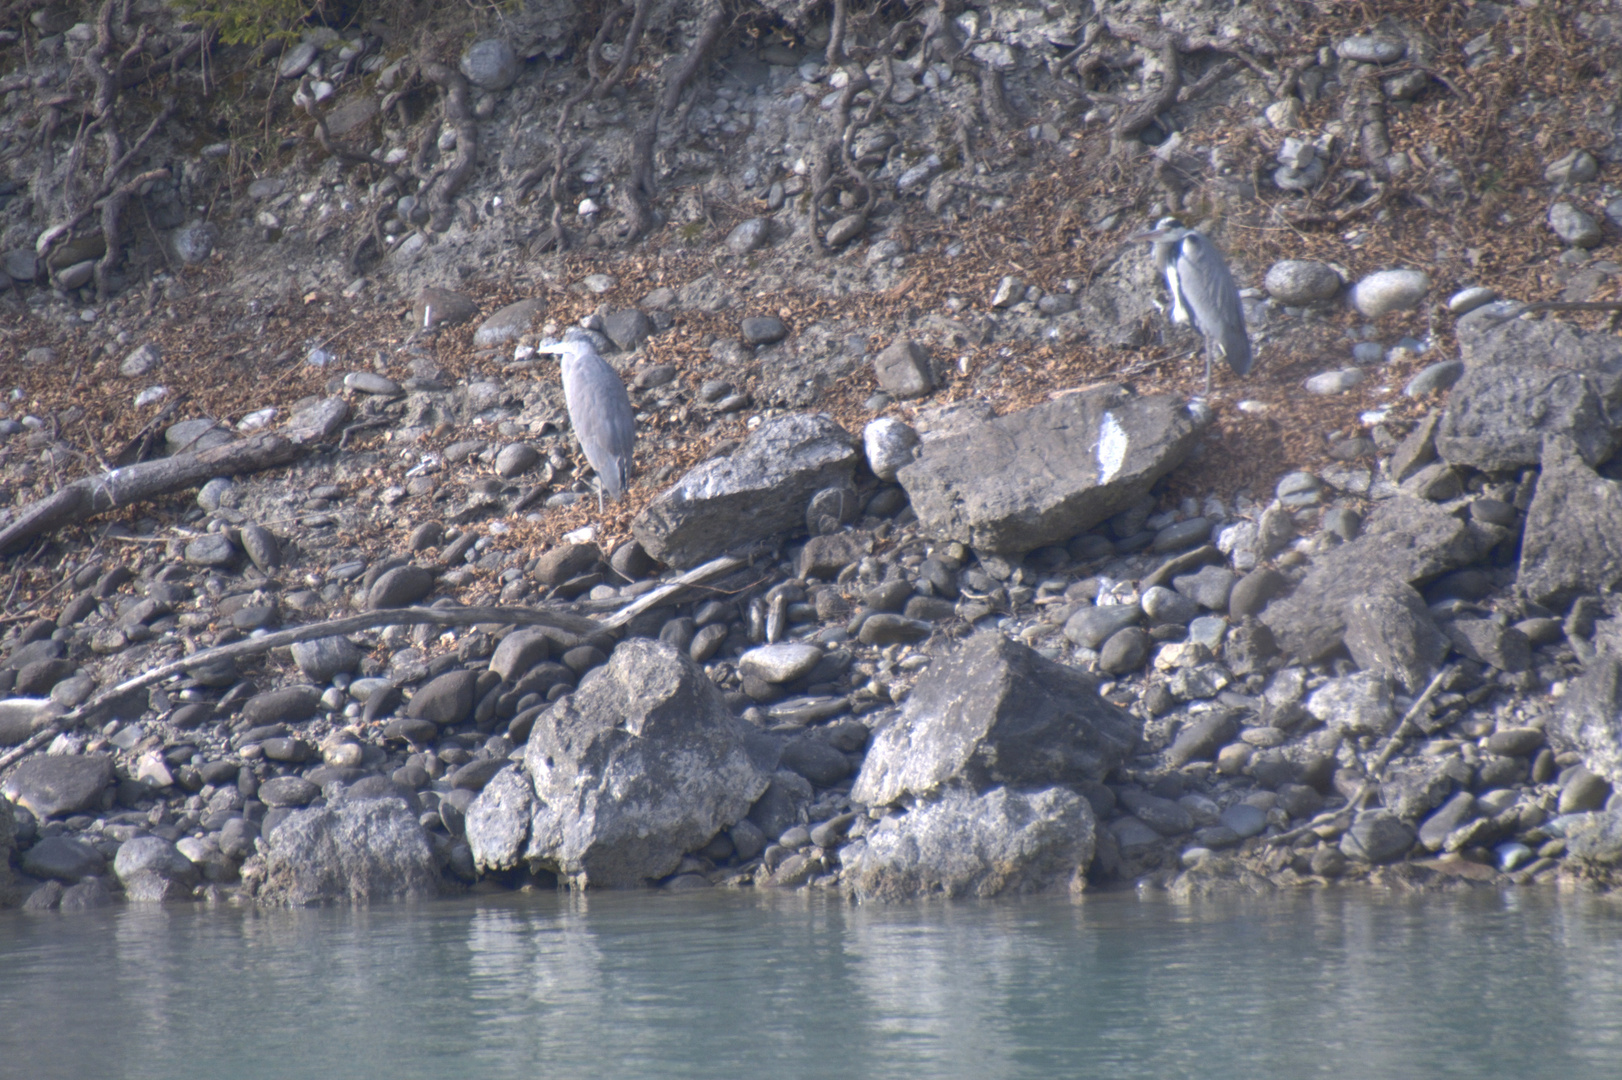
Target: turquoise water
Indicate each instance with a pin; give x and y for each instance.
(1344, 984)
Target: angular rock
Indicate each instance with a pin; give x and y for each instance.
(1457, 811)
(1202, 738)
(1405, 540)
(358, 851)
(1377, 836)
(1412, 787)
(995, 712)
(1572, 541)
(759, 490)
(317, 422)
(747, 235)
(1485, 642)
(1391, 632)
(961, 844)
(903, 369)
(441, 307)
(627, 328)
(509, 323)
(1044, 474)
(1355, 705)
(1574, 226)
(323, 658)
(55, 784)
(642, 764)
(1594, 837)
(780, 663)
(825, 556)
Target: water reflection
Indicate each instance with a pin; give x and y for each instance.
(1344, 985)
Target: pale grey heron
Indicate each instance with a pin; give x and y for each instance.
(600, 413)
(1202, 288)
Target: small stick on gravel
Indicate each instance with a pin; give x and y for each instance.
(1393, 743)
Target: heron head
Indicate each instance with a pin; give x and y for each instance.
(568, 348)
(1167, 230)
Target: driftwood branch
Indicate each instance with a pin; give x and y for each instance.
(121, 487)
(652, 599)
(459, 616)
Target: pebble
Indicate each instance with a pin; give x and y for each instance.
(1091, 627)
(889, 445)
(194, 242)
(746, 236)
(1368, 352)
(1367, 49)
(323, 658)
(140, 362)
(1577, 167)
(763, 330)
(211, 550)
(287, 791)
(1574, 226)
(1299, 489)
(1333, 382)
(1438, 376)
(516, 459)
(783, 662)
(1467, 300)
(367, 382)
(1301, 281)
(490, 64)
(1386, 291)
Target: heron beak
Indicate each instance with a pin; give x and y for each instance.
(1153, 235)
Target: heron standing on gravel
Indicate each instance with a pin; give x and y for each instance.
(600, 413)
(1201, 287)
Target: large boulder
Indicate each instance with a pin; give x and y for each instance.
(1572, 542)
(995, 712)
(52, 784)
(1041, 475)
(963, 844)
(358, 851)
(1405, 541)
(1525, 380)
(759, 490)
(641, 765)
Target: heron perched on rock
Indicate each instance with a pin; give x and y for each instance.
(600, 413)
(1202, 289)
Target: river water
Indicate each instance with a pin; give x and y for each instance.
(1341, 984)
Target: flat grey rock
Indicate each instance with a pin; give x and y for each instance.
(1042, 475)
(49, 785)
(62, 858)
(760, 490)
(1301, 281)
(509, 323)
(154, 854)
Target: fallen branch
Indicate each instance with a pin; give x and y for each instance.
(121, 487)
(457, 616)
(652, 599)
(460, 117)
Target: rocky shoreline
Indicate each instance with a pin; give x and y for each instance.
(933, 581)
(906, 687)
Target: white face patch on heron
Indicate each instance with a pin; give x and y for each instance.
(1111, 448)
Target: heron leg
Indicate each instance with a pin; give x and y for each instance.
(599, 496)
